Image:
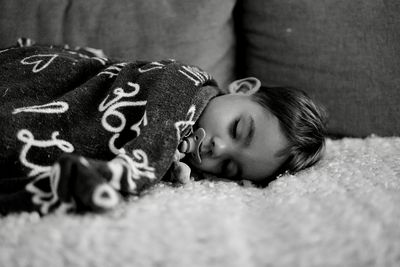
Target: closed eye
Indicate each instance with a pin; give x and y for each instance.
(250, 133)
(234, 128)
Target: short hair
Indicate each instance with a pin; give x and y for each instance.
(302, 121)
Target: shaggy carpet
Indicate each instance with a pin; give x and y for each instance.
(345, 211)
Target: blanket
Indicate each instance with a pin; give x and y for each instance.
(80, 131)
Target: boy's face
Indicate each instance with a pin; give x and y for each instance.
(242, 139)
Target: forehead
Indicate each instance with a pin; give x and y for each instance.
(226, 101)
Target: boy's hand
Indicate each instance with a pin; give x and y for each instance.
(180, 172)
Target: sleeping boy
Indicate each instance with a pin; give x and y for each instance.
(80, 131)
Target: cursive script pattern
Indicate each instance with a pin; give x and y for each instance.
(53, 107)
(181, 126)
(27, 137)
(110, 108)
(194, 74)
(40, 61)
(137, 168)
(48, 199)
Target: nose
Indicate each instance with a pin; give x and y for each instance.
(219, 147)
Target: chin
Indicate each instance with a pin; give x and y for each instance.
(193, 163)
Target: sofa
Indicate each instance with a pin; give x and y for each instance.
(342, 212)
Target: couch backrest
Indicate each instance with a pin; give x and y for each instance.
(344, 53)
(196, 32)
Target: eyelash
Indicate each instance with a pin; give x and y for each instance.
(234, 136)
(234, 128)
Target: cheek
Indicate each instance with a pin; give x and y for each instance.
(207, 165)
(212, 116)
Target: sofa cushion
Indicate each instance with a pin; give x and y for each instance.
(345, 54)
(189, 31)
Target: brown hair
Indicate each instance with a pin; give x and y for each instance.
(301, 120)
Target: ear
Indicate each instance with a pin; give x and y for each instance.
(247, 86)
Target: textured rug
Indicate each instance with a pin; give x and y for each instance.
(343, 212)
